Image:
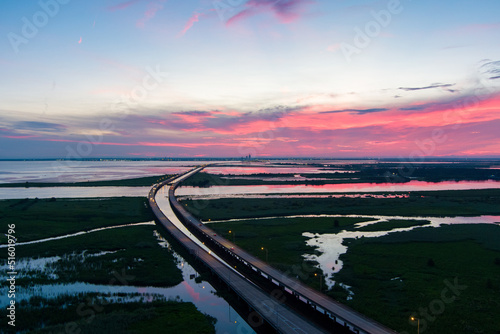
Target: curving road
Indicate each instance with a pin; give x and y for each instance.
(344, 315)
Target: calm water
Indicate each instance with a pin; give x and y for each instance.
(266, 169)
(337, 188)
(74, 171)
(73, 192)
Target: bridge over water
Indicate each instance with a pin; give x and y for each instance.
(281, 300)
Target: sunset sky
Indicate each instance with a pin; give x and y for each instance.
(228, 78)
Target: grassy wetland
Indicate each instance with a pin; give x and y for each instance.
(43, 218)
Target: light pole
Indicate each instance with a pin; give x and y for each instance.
(418, 323)
(267, 253)
(320, 281)
(232, 233)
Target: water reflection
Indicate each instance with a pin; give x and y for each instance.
(272, 169)
(73, 192)
(365, 195)
(77, 171)
(336, 188)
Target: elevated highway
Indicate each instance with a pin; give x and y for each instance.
(293, 290)
(276, 314)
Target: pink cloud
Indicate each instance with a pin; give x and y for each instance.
(186, 145)
(18, 136)
(243, 15)
(153, 8)
(469, 124)
(191, 21)
(94, 143)
(195, 118)
(475, 28)
(286, 11)
(123, 5)
(333, 47)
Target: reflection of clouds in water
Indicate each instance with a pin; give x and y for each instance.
(210, 196)
(75, 171)
(336, 188)
(73, 192)
(272, 169)
(26, 267)
(330, 245)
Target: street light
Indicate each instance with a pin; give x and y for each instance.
(418, 323)
(267, 253)
(320, 281)
(231, 232)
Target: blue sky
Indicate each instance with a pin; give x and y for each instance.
(225, 78)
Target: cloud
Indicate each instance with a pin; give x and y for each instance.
(478, 28)
(275, 130)
(491, 69)
(39, 126)
(194, 113)
(333, 47)
(152, 9)
(214, 121)
(286, 11)
(123, 5)
(191, 21)
(436, 85)
(414, 108)
(289, 10)
(356, 111)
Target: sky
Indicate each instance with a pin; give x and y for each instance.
(271, 78)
